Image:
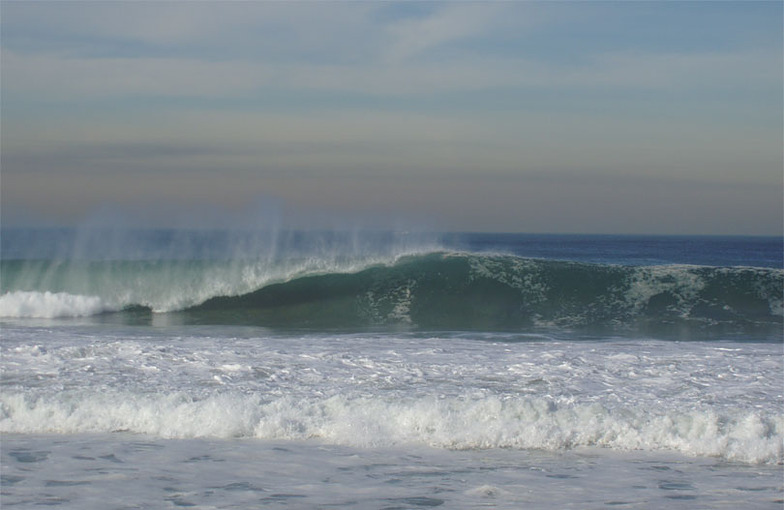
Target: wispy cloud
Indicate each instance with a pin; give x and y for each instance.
(413, 37)
(57, 78)
(273, 92)
(172, 51)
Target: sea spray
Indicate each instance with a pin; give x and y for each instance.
(166, 270)
(338, 288)
(49, 305)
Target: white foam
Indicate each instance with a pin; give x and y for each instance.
(679, 280)
(49, 305)
(720, 399)
(453, 423)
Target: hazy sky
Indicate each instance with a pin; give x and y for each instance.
(594, 117)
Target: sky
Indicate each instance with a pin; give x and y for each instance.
(536, 116)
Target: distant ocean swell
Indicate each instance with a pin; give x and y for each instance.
(454, 423)
(436, 290)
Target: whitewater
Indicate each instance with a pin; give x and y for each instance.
(385, 370)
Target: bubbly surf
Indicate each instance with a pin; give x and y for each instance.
(372, 422)
(393, 390)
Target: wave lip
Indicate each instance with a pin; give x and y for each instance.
(432, 291)
(49, 305)
(495, 292)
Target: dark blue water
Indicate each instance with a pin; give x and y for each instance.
(632, 250)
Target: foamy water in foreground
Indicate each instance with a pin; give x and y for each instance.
(236, 417)
(127, 471)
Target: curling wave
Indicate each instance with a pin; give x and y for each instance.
(442, 290)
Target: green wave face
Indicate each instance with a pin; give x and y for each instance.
(436, 291)
(474, 292)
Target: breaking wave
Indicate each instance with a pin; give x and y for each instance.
(440, 290)
(49, 305)
(454, 423)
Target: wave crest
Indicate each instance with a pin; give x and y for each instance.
(440, 290)
(49, 305)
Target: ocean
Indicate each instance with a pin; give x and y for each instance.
(366, 369)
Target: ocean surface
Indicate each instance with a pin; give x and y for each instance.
(389, 370)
